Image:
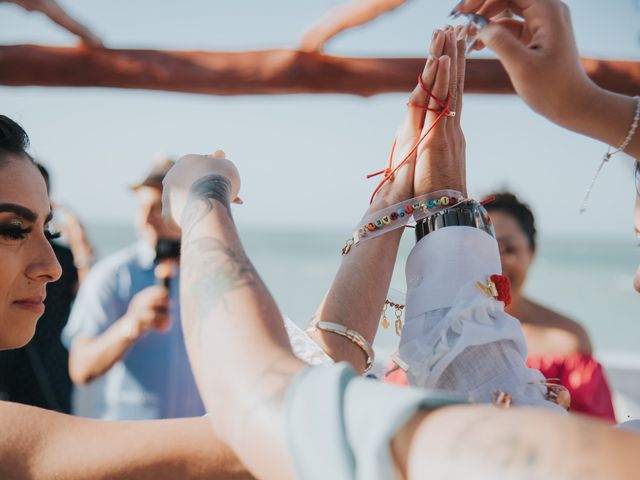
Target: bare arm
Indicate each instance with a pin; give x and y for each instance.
(359, 290)
(91, 357)
(230, 319)
(39, 444)
(483, 442)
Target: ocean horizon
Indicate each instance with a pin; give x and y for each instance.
(589, 280)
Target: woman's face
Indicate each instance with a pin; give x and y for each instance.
(515, 252)
(27, 261)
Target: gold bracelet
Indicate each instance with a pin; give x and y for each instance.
(351, 335)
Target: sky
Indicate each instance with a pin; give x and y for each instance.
(304, 158)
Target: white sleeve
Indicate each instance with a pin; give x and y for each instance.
(456, 338)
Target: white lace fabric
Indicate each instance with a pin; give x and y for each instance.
(303, 347)
(456, 338)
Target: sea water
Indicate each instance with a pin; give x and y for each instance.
(587, 280)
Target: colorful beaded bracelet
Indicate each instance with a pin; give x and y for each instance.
(398, 215)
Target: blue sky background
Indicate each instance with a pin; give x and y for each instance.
(304, 158)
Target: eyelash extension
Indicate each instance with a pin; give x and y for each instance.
(14, 232)
(18, 233)
(52, 235)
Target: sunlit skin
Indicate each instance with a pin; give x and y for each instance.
(636, 222)
(149, 223)
(27, 259)
(547, 332)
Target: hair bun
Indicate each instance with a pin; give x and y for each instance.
(13, 138)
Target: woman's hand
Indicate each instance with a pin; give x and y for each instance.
(441, 157)
(542, 60)
(539, 54)
(400, 187)
(190, 168)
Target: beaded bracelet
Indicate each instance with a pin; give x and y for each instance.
(351, 335)
(610, 153)
(398, 215)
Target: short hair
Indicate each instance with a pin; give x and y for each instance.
(509, 203)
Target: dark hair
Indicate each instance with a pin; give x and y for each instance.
(45, 175)
(13, 138)
(508, 203)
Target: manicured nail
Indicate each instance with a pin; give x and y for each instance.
(455, 13)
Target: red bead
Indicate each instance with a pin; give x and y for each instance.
(408, 209)
(394, 216)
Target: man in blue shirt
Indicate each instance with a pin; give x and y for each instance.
(125, 327)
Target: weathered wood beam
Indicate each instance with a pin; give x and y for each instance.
(57, 14)
(344, 17)
(257, 72)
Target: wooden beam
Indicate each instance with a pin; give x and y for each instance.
(345, 17)
(57, 14)
(258, 72)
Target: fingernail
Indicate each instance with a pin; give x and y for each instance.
(454, 13)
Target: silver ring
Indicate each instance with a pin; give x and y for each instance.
(450, 114)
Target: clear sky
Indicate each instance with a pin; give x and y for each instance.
(303, 158)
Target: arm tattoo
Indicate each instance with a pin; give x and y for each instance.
(213, 270)
(202, 196)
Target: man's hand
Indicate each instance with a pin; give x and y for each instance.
(148, 310)
(190, 168)
(441, 157)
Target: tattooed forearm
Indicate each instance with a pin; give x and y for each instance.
(202, 196)
(213, 269)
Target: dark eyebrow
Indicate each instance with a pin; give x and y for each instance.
(19, 210)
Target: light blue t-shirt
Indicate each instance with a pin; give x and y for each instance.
(154, 379)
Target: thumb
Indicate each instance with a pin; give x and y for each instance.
(505, 42)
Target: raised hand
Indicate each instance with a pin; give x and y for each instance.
(187, 171)
(441, 157)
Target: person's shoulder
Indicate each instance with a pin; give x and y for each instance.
(563, 330)
(111, 266)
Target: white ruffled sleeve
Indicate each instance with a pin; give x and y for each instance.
(456, 338)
